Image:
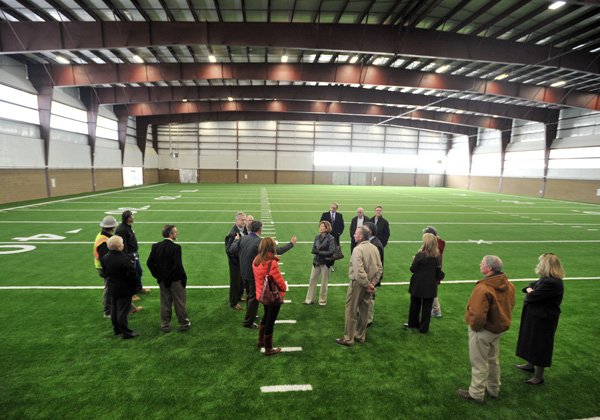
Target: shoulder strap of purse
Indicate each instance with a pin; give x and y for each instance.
(269, 267)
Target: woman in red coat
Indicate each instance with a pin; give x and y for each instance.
(266, 262)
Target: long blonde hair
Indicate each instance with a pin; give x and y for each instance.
(266, 251)
(430, 245)
(549, 266)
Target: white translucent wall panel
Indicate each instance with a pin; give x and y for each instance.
(527, 131)
(524, 164)
(260, 160)
(21, 152)
(150, 158)
(133, 156)
(295, 161)
(69, 155)
(218, 159)
(577, 122)
(68, 137)
(187, 159)
(14, 73)
(579, 141)
(486, 164)
(488, 141)
(106, 143)
(19, 129)
(457, 159)
(107, 158)
(572, 173)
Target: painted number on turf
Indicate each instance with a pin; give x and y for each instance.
(168, 197)
(41, 237)
(122, 209)
(16, 249)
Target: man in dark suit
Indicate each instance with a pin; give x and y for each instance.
(337, 221)
(119, 269)
(357, 221)
(383, 226)
(166, 265)
(236, 285)
(247, 249)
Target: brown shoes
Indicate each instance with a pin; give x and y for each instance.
(145, 290)
(237, 307)
(343, 342)
(464, 394)
(136, 309)
(135, 298)
(269, 350)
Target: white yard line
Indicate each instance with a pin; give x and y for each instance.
(286, 349)
(285, 321)
(285, 388)
(78, 198)
(393, 283)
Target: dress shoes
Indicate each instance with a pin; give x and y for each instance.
(135, 298)
(136, 309)
(534, 381)
(464, 394)
(132, 334)
(237, 307)
(185, 327)
(526, 367)
(106, 316)
(406, 325)
(343, 342)
(252, 326)
(145, 290)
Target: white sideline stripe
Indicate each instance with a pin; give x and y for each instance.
(287, 301)
(471, 242)
(79, 198)
(95, 222)
(285, 321)
(285, 388)
(285, 349)
(398, 283)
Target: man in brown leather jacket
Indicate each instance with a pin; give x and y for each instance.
(489, 314)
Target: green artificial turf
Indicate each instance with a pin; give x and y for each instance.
(60, 360)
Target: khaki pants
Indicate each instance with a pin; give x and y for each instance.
(316, 272)
(357, 309)
(169, 297)
(484, 347)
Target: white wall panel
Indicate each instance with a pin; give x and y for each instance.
(259, 160)
(295, 161)
(486, 164)
(564, 173)
(69, 155)
(21, 152)
(218, 159)
(107, 158)
(133, 156)
(187, 160)
(150, 158)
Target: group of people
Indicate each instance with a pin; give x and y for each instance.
(254, 268)
(117, 261)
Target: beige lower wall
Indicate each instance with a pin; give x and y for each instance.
(108, 179)
(522, 186)
(168, 175)
(70, 181)
(294, 177)
(256, 177)
(406, 180)
(485, 183)
(571, 189)
(22, 185)
(217, 176)
(422, 180)
(150, 176)
(323, 177)
(457, 181)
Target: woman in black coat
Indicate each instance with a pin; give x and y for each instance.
(427, 272)
(539, 319)
(323, 248)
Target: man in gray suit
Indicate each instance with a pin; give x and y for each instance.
(364, 273)
(247, 249)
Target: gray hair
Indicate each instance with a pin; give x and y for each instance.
(114, 243)
(239, 215)
(494, 262)
(364, 233)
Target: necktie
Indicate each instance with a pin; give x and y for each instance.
(332, 217)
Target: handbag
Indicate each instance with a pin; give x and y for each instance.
(337, 254)
(439, 274)
(270, 293)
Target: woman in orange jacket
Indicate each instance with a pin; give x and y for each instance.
(266, 263)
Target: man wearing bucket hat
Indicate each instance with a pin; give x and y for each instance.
(108, 226)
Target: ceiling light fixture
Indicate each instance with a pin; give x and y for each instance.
(442, 69)
(501, 76)
(184, 100)
(212, 58)
(284, 58)
(354, 59)
(230, 99)
(62, 60)
(557, 4)
(595, 50)
(558, 84)
(137, 59)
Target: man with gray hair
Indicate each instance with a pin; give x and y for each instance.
(489, 314)
(119, 269)
(236, 286)
(364, 272)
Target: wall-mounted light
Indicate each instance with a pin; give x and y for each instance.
(212, 58)
(284, 58)
(230, 99)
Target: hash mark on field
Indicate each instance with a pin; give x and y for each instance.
(285, 349)
(287, 301)
(285, 388)
(285, 321)
(593, 230)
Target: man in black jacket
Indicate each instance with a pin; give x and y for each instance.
(236, 285)
(357, 221)
(120, 275)
(383, 226)
(125, 231)
(166, 265)
(247, 249)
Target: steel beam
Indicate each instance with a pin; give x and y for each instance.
(24, 37)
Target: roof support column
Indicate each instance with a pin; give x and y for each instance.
(141, 133)
(44, 108)
(89, 99)
(472, 144)
(122, 129)
(505, 137)
(551, 131)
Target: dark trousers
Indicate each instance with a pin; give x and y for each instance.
(251, 303)
(236, 284)
(269, 318)
(138, 272)
(120, 307)
(422, 305)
